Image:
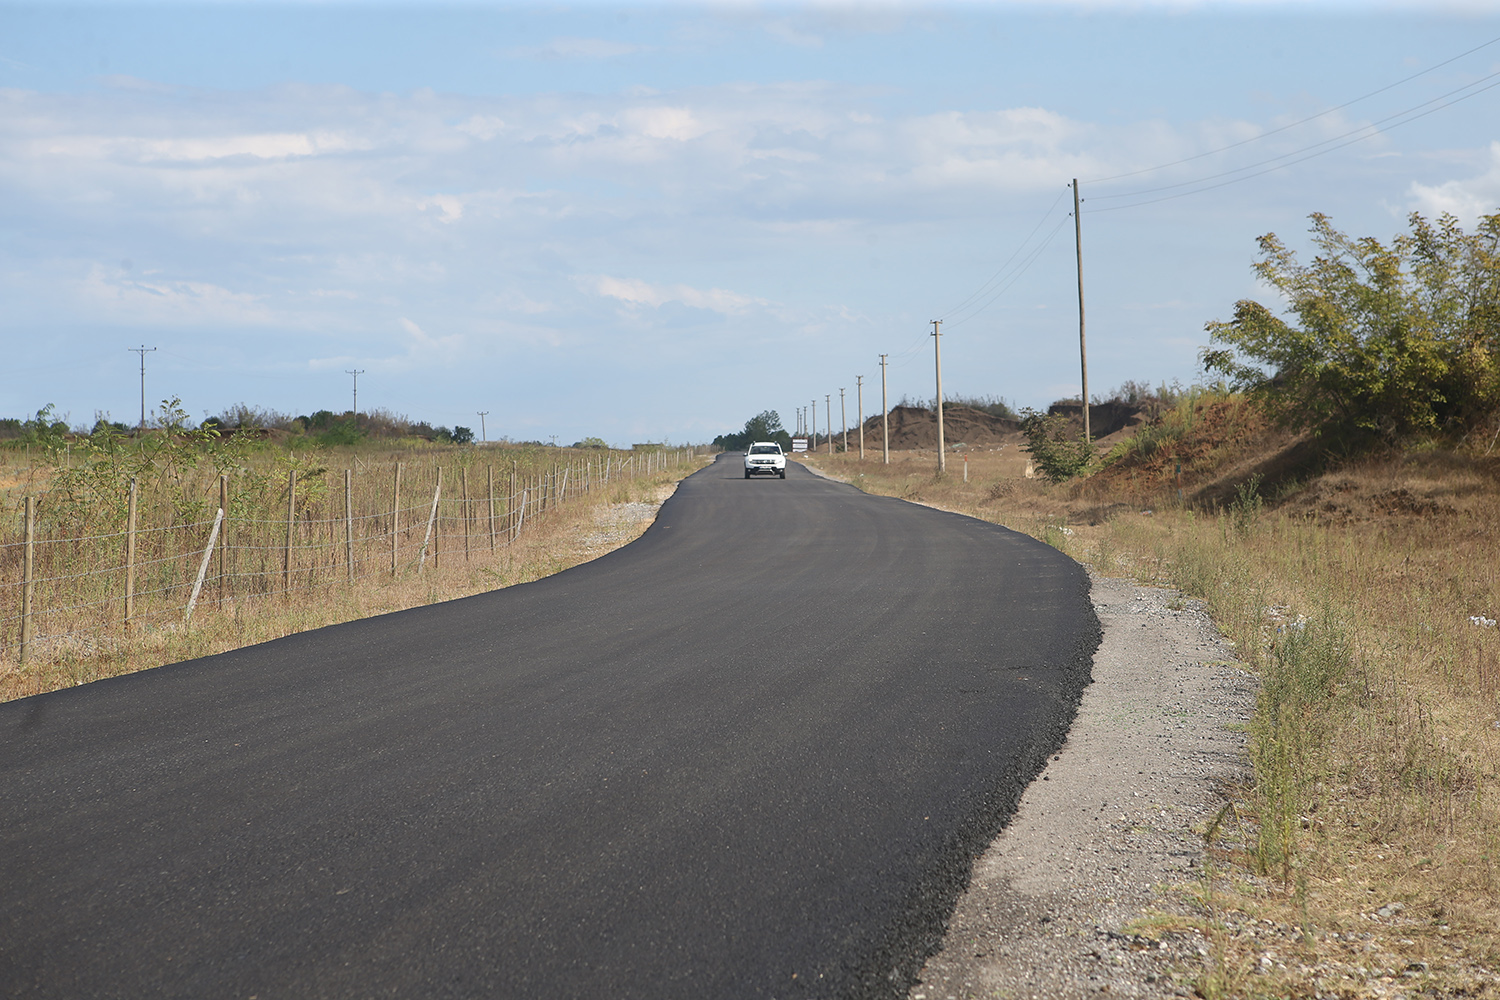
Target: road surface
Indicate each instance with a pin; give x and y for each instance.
(752, 754)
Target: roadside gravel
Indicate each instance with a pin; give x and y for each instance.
(1086, 890)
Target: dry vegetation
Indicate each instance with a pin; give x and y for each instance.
(1364, 858)
(79, 633)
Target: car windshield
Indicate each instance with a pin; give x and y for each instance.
(764, 449)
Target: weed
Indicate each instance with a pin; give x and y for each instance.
(1375, 740)
(1245, 508)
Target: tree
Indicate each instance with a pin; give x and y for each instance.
(764, 426)
(1393, 340)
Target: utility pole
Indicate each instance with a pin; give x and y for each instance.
(828, 419)
(1083, 354)
(885, 419)
(813, 410)
(356, 373)
(143, 350)
(482, 414)
(859, 391)
(937, 356)
(844, 419)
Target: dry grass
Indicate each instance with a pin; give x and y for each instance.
(1376, 742)
(86, 641)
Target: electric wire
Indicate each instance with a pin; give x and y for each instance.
(1289, 163)
(1366, 131)
(1025, 266)
(1000, 271)
(1292, 125)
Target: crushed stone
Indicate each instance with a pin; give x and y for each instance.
(1088, 890)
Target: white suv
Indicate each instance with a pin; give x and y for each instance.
(765, 458)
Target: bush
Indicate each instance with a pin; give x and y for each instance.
(1059, 451)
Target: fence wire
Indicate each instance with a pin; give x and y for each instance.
(69, 592)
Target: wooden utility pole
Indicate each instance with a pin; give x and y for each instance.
(432, 525)
(844, 419)
(828, 419)
(28, 576)
(885, 419)
(512, 526)
(348, 523)
(1083, 354)
(859, 403)
(396, 520)
(937, 356)
(224, 541)
(291, 520)
(465, 508)
(483, 438)
(130, 521)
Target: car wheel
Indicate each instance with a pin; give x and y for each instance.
(747, 473)
(782, 473)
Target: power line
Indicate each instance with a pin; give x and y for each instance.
(1366, 131)
(1290, 163)
(983, 288)
(1303, 121)
(1026, 265)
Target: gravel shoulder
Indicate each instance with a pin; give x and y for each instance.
(1088, 890)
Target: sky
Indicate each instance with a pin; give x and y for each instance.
(650, 223)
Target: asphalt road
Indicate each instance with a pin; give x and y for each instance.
(752, 754)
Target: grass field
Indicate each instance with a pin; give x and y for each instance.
(1364, 858)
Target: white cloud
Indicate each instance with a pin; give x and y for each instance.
(635, 292)
(424, 347)
(482, 127)
(786, 30)
(451, 209)
(1465, 199)
(578, 48)
(663, 123)
(166, 301)
(264, 146)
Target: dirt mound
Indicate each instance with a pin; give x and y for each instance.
(1220, 446)
(914, 427)
(1111, 420)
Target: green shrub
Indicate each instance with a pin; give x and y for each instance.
(1059, 451)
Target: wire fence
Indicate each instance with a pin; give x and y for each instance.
(66, 594)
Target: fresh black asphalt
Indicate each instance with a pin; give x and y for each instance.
(752, 754)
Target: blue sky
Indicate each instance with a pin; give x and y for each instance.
(652, 222)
